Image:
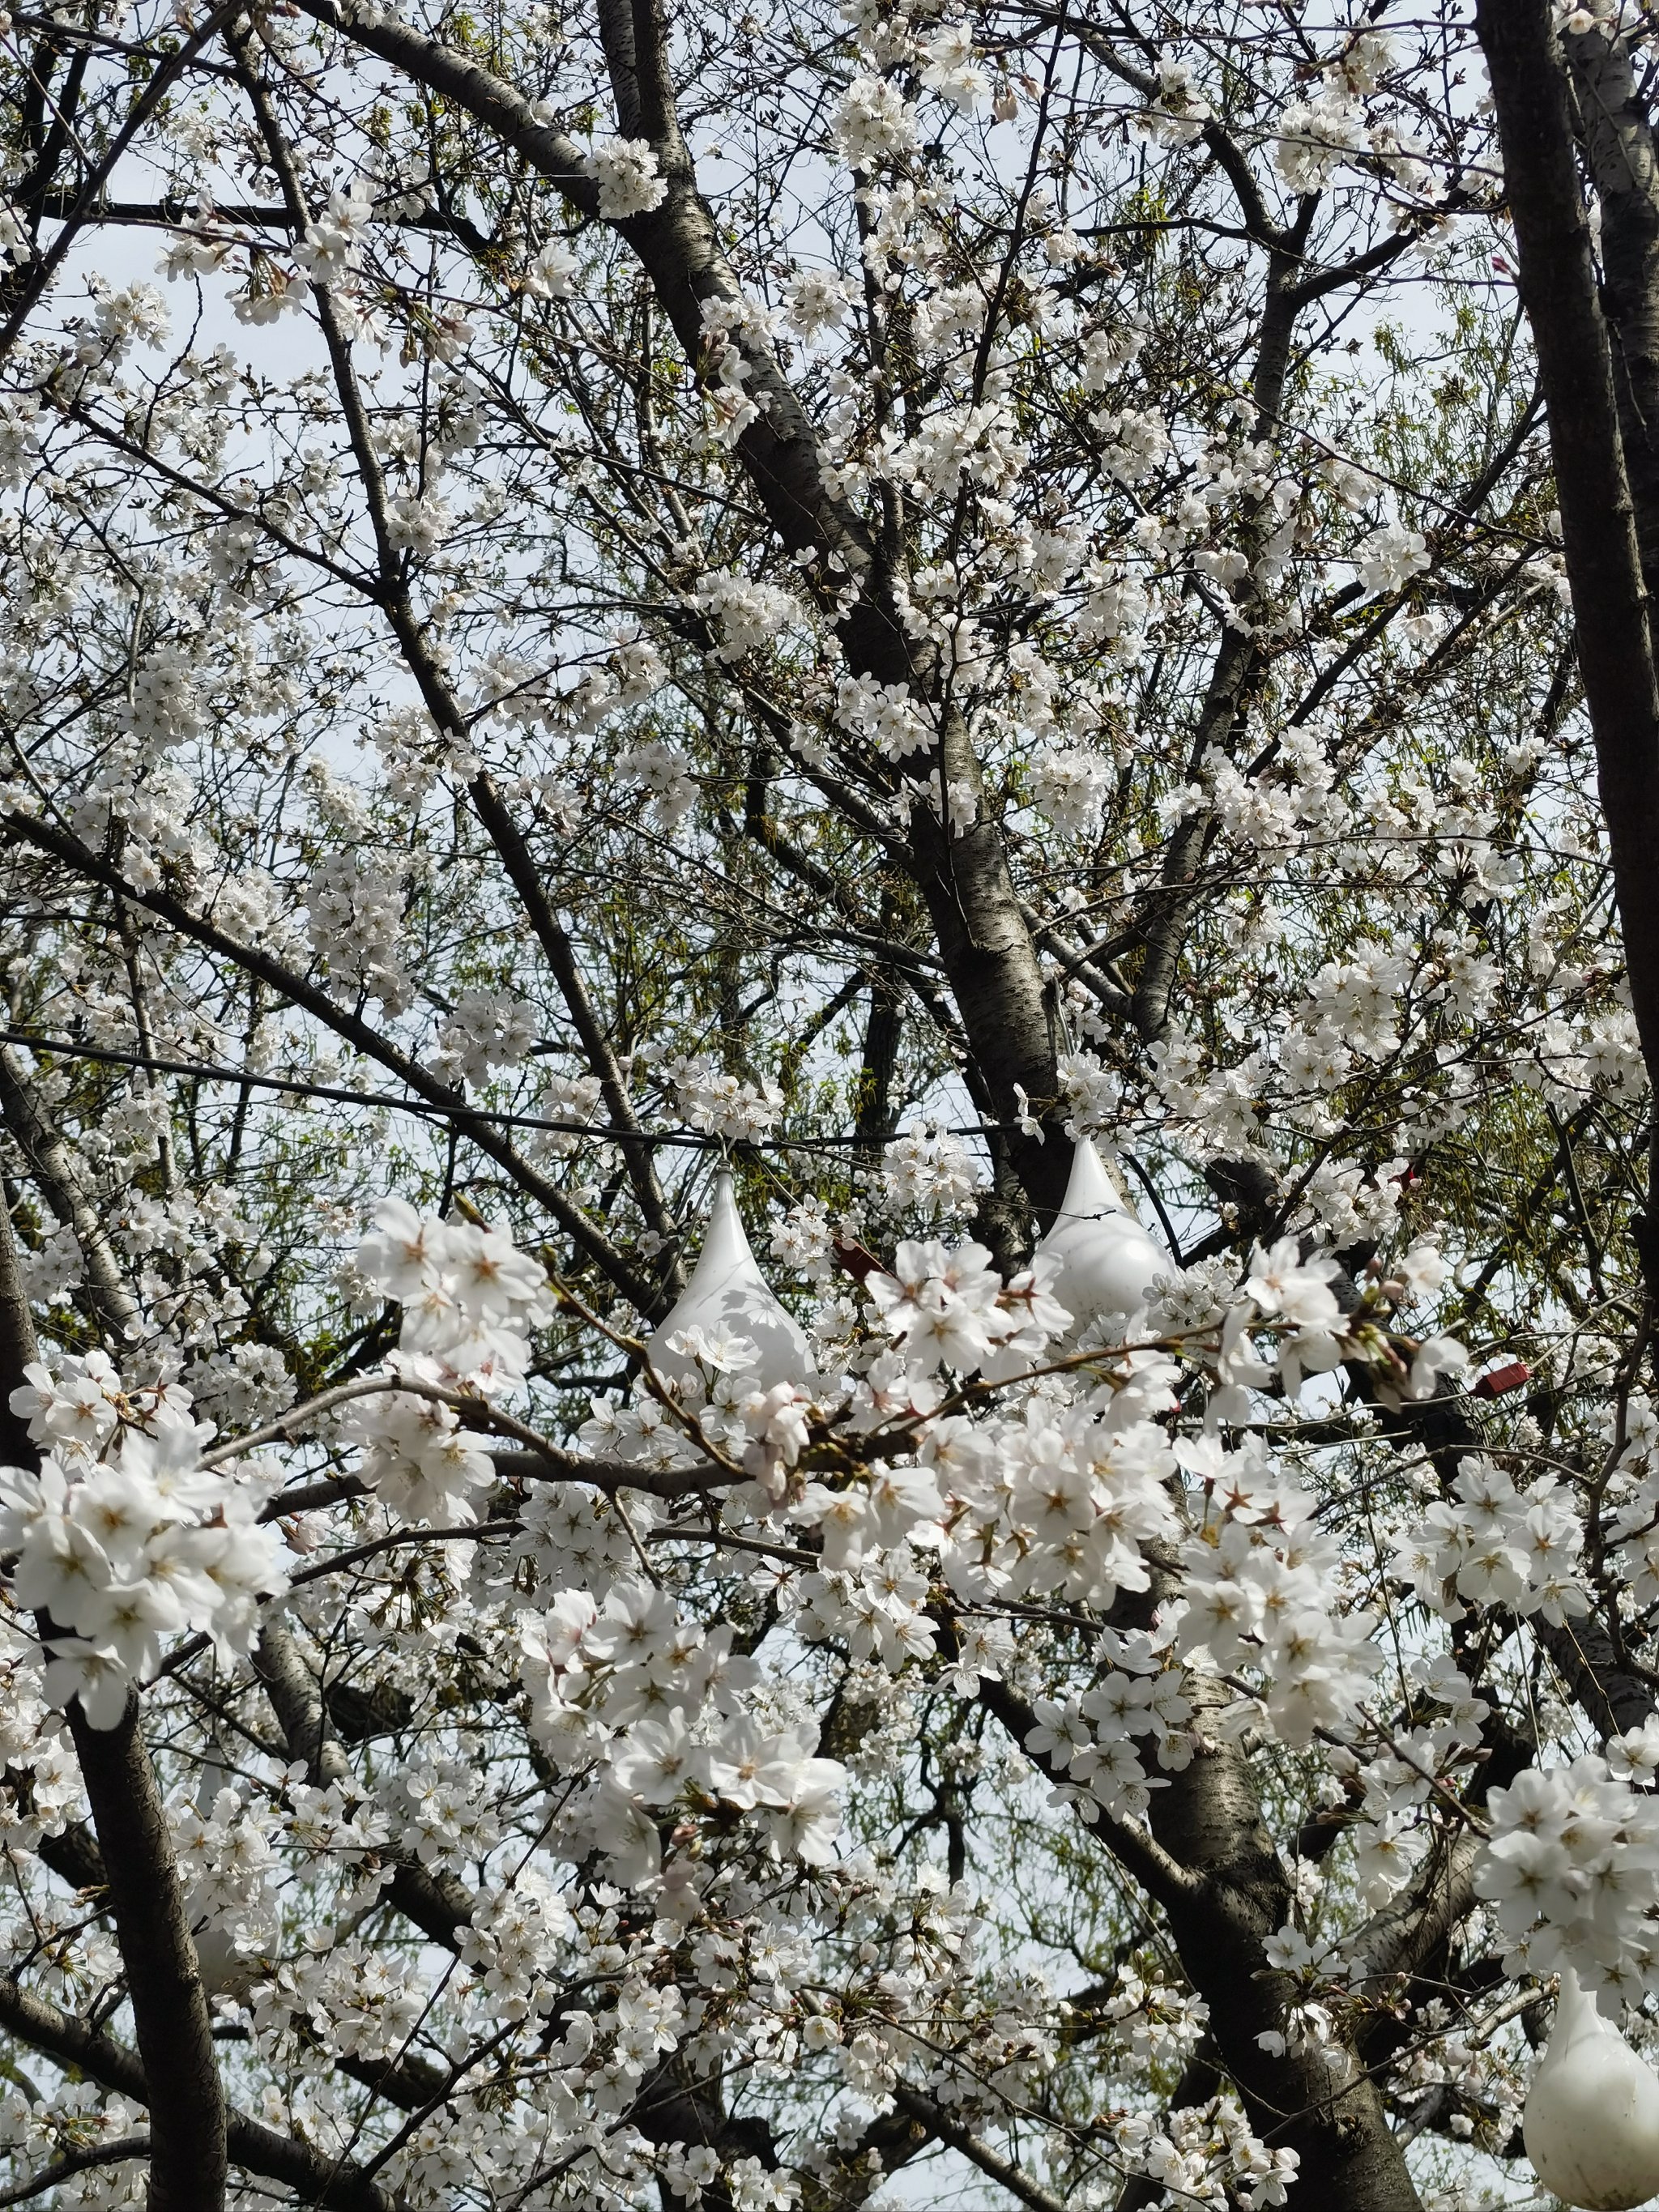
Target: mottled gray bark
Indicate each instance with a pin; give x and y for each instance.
(1558, 289)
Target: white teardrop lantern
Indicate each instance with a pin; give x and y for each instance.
(728, 1294)
(225, 1970)
(1591, 2123)
(1106, 1258)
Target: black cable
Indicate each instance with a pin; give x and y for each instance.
(206, 1073)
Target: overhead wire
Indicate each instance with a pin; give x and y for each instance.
(461, 1108)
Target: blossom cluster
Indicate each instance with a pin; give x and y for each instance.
(623, 1748)
(121, 1536)
(1571, 1870)
(1067, 1494)
(928, 1170)
(1634, 1501)
(1492, 1543)
(467, 1296)
(650, 1710)
(712, 1098)
(1262, 1587)
(629, 183)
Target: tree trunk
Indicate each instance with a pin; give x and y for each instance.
(1604, 569)
(1332, 2115)
(1618, 142)
(1213, 1869)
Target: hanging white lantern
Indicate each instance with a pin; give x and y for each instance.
(728, 1295)
(225, 1970)
(1106, 1258)
(1591, 2123)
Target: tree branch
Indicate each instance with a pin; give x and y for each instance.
(977, 2151)
(55, 1169)
(318, 2181)
(963, 874)
(77, 2161)
(1617, 141)
(491, 810)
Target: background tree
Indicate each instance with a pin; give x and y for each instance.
(853, 595)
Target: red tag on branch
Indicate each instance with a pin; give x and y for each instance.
(859, 1263)
(1502, 1379)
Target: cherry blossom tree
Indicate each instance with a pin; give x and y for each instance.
(833, 967)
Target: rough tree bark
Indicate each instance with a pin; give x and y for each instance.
(1558, 289)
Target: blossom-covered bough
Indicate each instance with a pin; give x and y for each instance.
(1003, 646)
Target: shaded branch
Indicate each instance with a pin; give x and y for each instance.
(326, 2184)
(977, 2151)
(77, 2161)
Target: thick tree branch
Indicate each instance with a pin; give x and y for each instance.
(55, 1169)
(1209, 1862)
(1617, 141)
(163, 1976)
(963, 875)
(975, 2148)
(113, 2153)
